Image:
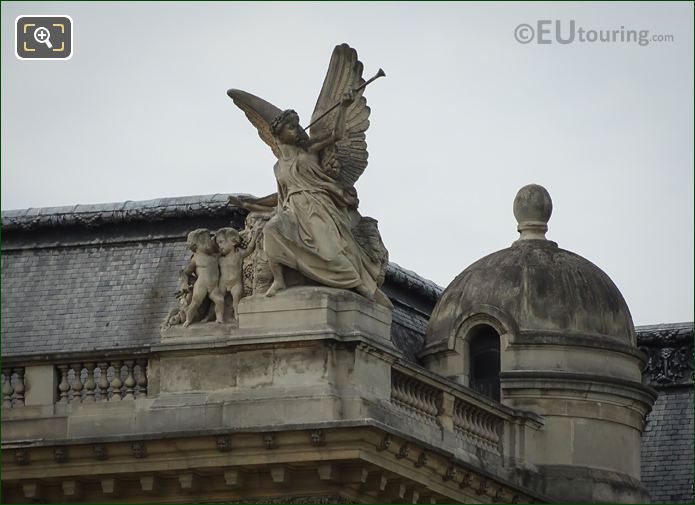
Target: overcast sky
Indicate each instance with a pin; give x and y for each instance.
(465, 117)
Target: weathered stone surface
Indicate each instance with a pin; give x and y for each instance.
(314, 227)
(310, 308)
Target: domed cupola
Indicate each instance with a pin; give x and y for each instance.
(542, 329)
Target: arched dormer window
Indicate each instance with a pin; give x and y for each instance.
(484, 349)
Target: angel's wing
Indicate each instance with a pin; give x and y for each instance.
(344, 73)
(260, 113)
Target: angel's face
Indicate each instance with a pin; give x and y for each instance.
(289, 132)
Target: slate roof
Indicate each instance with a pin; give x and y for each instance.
(667, 442)
(667, 448)
(103, 276)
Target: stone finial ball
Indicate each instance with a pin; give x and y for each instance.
(532, 210)
(533, 203)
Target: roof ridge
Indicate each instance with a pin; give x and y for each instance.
(91, 215)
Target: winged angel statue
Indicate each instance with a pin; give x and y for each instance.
(314, 227)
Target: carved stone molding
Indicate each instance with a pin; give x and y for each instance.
(60, 454)
(669, 350)
(100, 452)
(372, 478)
(421, 460)
(317, 437)
(223, 443)
(139, 449)
(21, 457)
(270, 441)
(450, 474)
(403, 451)
(466, 481)
(482, 487)
(384, 443)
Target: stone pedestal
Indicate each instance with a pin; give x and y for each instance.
(303, 311)
(316, 308)
(297, 355)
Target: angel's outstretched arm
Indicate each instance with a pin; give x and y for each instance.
(318, 145)
(263, 204)
(268, 201)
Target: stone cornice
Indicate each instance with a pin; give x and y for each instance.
(367, 460)
(580, 381)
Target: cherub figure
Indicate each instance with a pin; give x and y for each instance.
(204, 267)
(231, 262)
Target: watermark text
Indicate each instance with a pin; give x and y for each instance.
(557, 31)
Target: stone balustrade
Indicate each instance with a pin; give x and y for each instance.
(85, 380)
(472, 421)
(478, 426)
(91, 381)
(424, 399)
(13, 387)
(418, 398)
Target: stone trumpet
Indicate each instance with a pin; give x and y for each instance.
(380, 73)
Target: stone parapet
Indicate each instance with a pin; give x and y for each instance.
(309, 359)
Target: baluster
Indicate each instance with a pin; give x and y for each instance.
(492, 428)
(422, 399)
(430, 409)
(408, 392)
(7, 389)
(64, 385)
(89, 384)
(468, 422)
(417, 395)
(477, 424)
(116, 382)
(77, 383)
(456, 416)
(129, 381)
(142, 378)
(396, 387)
(496, 430)
(402, 391)
(413, 392)
(19, 387)
(103, 383)
(492, 437)
(427, 397)
(431, 402)
(490, 425)
(472, 420)
(472, 424)
(484, 433)
(487, 433)
(422, 396)
(437, 403)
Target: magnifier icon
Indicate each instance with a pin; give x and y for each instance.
(43, 36)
